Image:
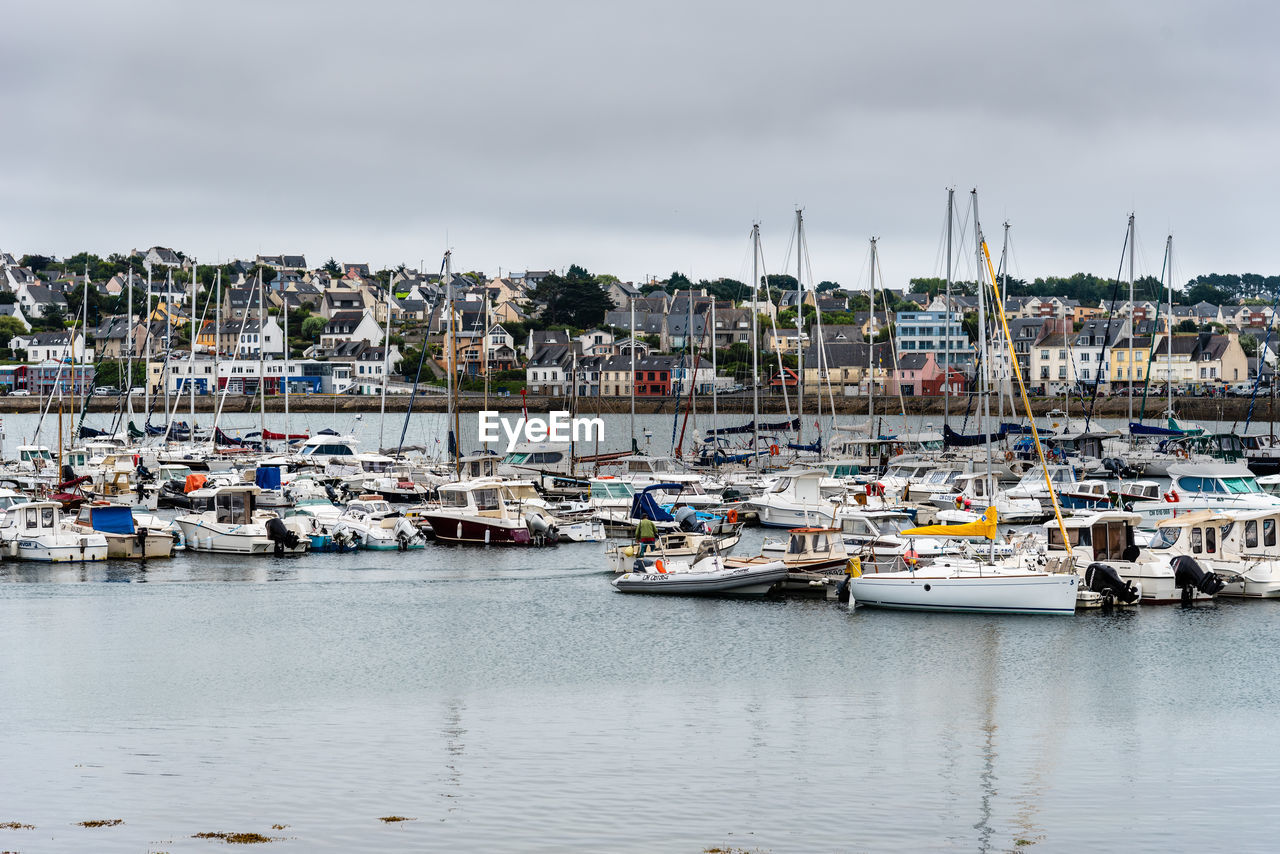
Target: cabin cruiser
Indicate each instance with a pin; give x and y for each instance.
(1107, 537)
(794, 501)
(710, 574)
(35, 531)
(1085, 495)
(476, 511)
(967, 585)
(1032, 484)
(610, 501)
(327, 448)
(1224, 487)
(128, 536)
(225, 519)
(1240, 548)
(532, 459)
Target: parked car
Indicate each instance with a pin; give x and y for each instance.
(19, 392)
(106, 390)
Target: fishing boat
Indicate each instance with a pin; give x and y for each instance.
(1107, 537)
(477, 512)
(35, 531)
(1240, 548)
(710, 575)
(127, 536)
(225, 519)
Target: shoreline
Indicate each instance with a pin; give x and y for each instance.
(1216, 409)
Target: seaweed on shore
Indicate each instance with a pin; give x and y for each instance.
(389, 819)
(16, 825)
(238, 838)
(101, 822)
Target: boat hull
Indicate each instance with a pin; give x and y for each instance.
(740, 581)
(453, 529)
(990, 594)
(33, 550)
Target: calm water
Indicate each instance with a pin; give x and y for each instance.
(511, 701)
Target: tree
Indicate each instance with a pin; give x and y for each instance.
(9, 327)
(1205, 292)
(678, 282)
(312, 327)
(331, 267)
(37, 263)
(1187, 325)
(1249, 344)
(574, 299)
(55, 318)
(824, 286)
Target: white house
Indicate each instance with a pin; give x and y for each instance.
(36, 300)
(350, 326)
(160, 256)
(52, 346)
(269, 339)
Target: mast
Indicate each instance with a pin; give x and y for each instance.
(871, 348)
(983, 378)
(168, 344)
(1168, 350)
(128, 353)
(799, 332)
(484, 353)
(633, 373)
(146, 355)
(191, 378)
(284, 334)
(217, 341)
(450, 357)
(755, 345)
(262, 352)
(386, 366)
(946, 353)
(1004, 291)
(715, 410)
(1132, 328)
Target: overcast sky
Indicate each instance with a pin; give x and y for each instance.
(643, 138)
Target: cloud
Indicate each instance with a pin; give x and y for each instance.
(638, 139)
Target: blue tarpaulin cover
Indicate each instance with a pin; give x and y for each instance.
(645, 506)
(267, 477)
(111, 520)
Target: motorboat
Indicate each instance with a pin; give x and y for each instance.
(477, 512)
(675, 545)
(128, 536)
(1107, 538)
(225, 519)
(1085, 495)
(35, 531)
(374, 524)
(977, 491)
(814, 558)
(795, 501)
(709, 575)
(1240, 548)
(1224, 487)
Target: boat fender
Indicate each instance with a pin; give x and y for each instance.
(1187, 573)
(1172, 496)
(853, 568)
(911, 557)
(660, 566)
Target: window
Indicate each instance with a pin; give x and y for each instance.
(1197, 541)
(1210, 540)
(1251, 534)
(1268, 532)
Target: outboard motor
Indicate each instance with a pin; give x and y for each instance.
(539, 528)
(68, 473)
(1101, 578)
(405, 533)
(279, 533)
(144, 474)
(1189, 575)
(687, 518)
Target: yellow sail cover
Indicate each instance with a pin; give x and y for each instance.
(985, 527)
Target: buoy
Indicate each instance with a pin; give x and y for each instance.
(773, 450)
(853, 568)
(660, 566)
(731, 517)
(911, 557)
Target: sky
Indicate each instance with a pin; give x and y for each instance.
(644, 138)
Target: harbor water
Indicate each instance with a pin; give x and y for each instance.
(510, 700)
